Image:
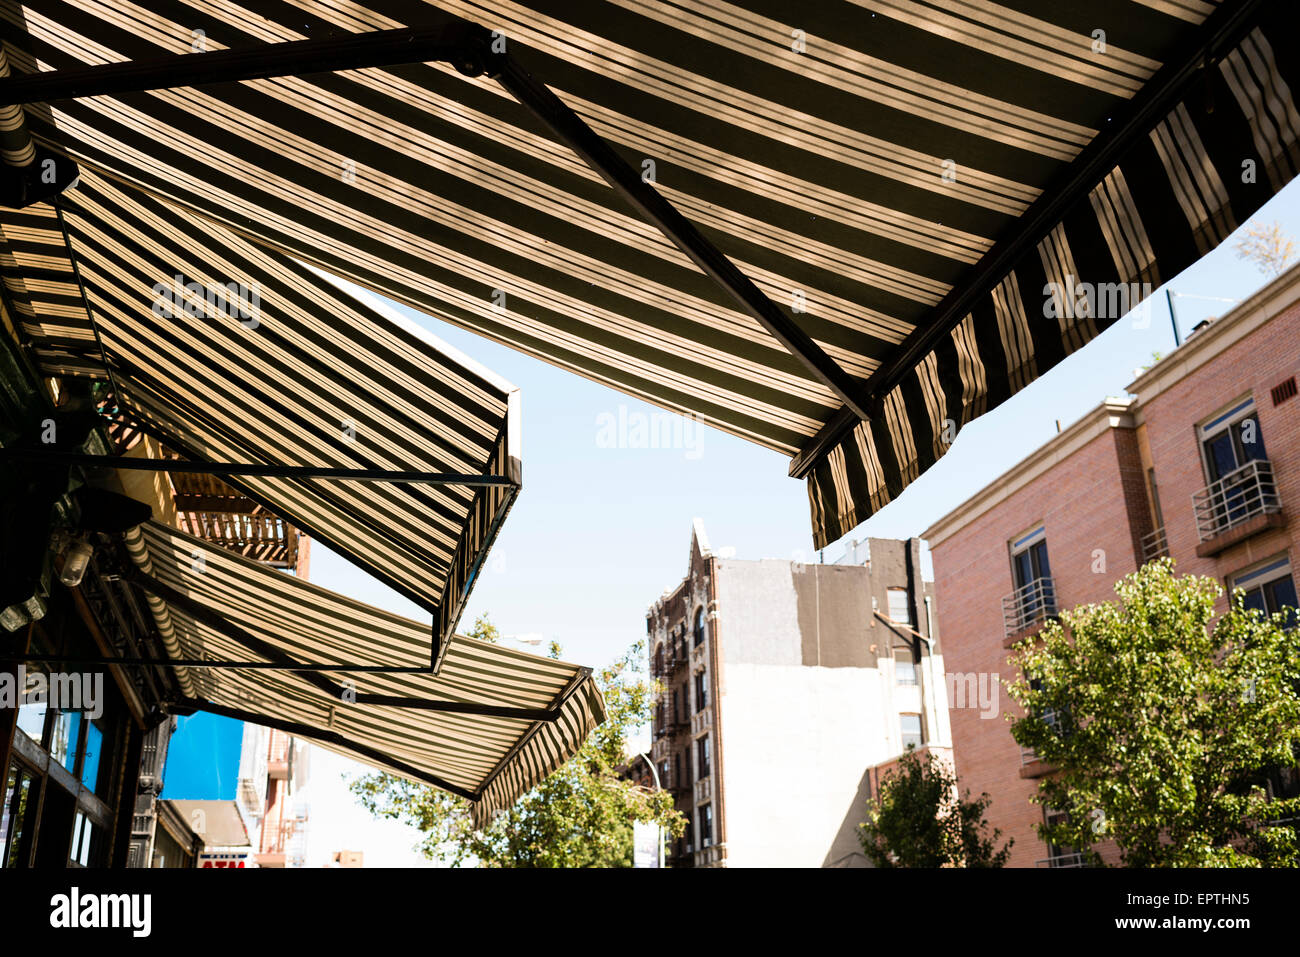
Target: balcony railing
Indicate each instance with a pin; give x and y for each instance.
(1061, 860)
(1028, 605)
(1154, 545)
(1238, 496)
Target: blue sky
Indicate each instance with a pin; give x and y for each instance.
(599, 532)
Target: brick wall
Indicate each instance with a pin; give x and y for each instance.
(1094, 504)
(1082, 505)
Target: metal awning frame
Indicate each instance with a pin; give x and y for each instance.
(474, 51)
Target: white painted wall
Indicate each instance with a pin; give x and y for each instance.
(798, 743)
(798, 739)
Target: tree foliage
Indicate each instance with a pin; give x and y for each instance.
(1164, 725)
(1268, 246)
(579, 816)
(918, 820)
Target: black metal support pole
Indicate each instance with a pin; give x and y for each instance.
(469, 48)
(445, 41)
(252, 470)
(645, 199)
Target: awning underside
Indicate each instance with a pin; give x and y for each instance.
(858, 163)
(490, 759)
(267, 363)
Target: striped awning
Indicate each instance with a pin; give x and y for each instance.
(229, 352)
(906, 180)
(492, 723)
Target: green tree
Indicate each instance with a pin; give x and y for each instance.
(1163, 725)
(918, 820)
(579, 816)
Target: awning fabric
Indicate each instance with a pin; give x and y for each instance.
(491, 760)
(856, 163)
(286, 370)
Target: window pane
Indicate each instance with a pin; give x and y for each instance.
(63, 738)
(77, 827)
(89, 835)
(1220, 456)
(17, 810)
(1041, 568)
(899, 607)
(10, 783)
(1282, 596)
(1255, 599)
(910, 725)
(31, 716)
(905, 670)
(90, 766)
(1024, 570)
(1252, 441)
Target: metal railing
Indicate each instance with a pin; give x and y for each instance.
(1061, 860)
(1154, 545)
(1240, 495)
(1029, 604)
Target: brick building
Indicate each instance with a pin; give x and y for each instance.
(783, 685)
(1200, 462)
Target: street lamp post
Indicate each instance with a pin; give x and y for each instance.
(658, 786)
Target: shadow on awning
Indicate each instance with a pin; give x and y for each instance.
(877, 198)
(264, 362)
(491, 724)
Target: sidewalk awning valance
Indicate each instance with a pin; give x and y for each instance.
(233, 353)
(906, 182)
(491, 724)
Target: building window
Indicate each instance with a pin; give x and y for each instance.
(702, 755)
(1058, 856)
(904, 668)
(701, 691)
(900, 606)
(1236, 490)
(699, 626)
(1035, 595)
(1270, 589)
(910, 725)
(706, 825)
(64, 737)
(1231, 440)
(17, 823)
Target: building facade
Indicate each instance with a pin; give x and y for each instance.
(1200, 462)
(782, 685)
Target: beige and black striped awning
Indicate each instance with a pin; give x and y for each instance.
(904, 179)
(283, 369)
(492, 723)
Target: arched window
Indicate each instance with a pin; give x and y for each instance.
(659, 660)
(699, 626)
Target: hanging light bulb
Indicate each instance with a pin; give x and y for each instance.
(75, 563)
(13, 618)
